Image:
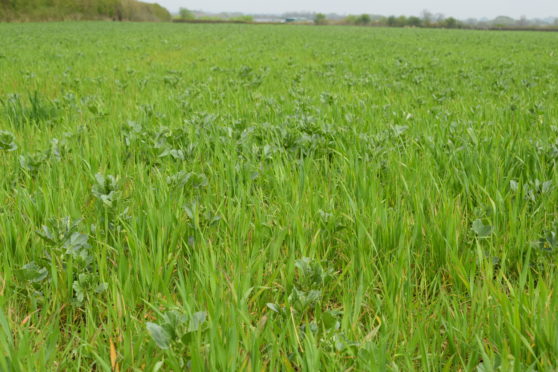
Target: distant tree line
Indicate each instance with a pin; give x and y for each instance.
(412, 21)
(391, 21)
(52, 10)
(187, 15)
(428, 19)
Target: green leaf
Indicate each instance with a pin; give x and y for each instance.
(106, 189)
(7, 141)
(273, 307)
(312, 274)
(32, 162)
(158, 365)
(197, 320)
(100, 179)
(172, 322)
(339, 343)
(45, 234)
(329, 319)
(399, 129)
(79, 290)
(33, 273)
(302, 300)
(159, 335)
(101, 288)
(78, 247)
(546, 187)
(482, 230)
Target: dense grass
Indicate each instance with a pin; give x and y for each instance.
(283, 198)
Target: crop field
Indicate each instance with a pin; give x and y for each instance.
(278, 198)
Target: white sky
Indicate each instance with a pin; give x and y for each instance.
(456, 8)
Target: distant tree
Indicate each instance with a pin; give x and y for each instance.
(414, 21)
(350, 20)
(503, 21)
(320, 19)
(427, 17)
(439, 18)
(379, 20)
(450, 23)
(401, 21)
(363, 19)
(391, 21)
(186, 14)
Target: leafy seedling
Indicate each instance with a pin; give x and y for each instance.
(106, 189)
(311, 274)
(187, 179)
(176, 329)
(58, 148)
(481, 230)
(68, 245)
(31, 163)
(33, 273)
(7, 141)
(87, 285)
(312, 280)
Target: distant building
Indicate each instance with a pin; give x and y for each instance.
(293, 19)
(268, 20)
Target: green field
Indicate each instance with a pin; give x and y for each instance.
(280, 198)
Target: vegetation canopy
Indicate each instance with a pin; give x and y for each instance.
(52, 10)
(233, 197)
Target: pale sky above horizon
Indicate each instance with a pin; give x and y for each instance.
(456, 8)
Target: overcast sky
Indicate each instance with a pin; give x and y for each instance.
(456, 8)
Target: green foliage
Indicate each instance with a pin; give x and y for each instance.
(34, 110)
(402, 21)
(392, 21)
(414, 22)
(244, 18)
(106, 189)
(7, 141)
(33, 162)
(363, 19)
(33, 273)
(186, 14)
(176, 328)
(320, 19)
(133, 10)
(482, 230)
(277, 198)
(312, 280)
(450, 23)
(350, 19)
(51, 10)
